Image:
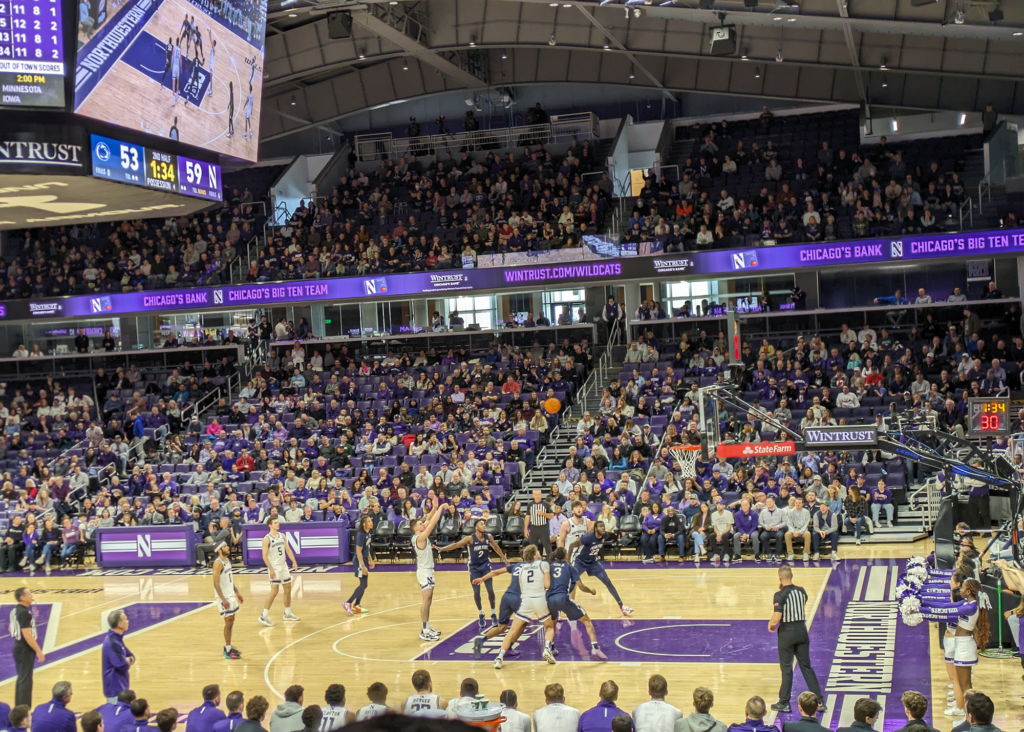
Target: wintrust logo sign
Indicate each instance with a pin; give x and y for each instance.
(866, 436)
(18, 152)
(672, 265)
(449, 282)
(43, 309)
(752, 449)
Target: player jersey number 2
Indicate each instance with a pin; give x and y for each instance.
(529, 576)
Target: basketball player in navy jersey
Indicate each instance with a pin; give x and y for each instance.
(229, 600)
(509, 604)
(170, 53)
(565, 579)
(589, 560)
(173, 132)
(277, 552)
(231, 108)
(185, 32)
(363, 563)
(480, 544)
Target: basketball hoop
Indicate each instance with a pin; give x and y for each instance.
(686, 457)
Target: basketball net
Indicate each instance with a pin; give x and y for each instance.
(686, 457)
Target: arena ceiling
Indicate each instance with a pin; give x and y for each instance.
(903, 54)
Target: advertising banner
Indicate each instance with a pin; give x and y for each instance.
(146, 546)
(314, 542)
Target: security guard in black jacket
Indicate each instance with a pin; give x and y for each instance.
(790, 620)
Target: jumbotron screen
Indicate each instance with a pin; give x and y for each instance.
(187, 70)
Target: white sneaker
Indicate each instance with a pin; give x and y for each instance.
(265, 619)
(835, 556)
(549, 656)
(954, 712)
(289, 615)
(789, 557)
(428, 636)
(626, 610)
(816, 556)
(497, 663)
(858, 542)
(805, 556)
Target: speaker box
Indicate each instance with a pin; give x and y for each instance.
(339, 25)
(723, 41)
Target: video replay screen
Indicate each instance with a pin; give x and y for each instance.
(187, 70)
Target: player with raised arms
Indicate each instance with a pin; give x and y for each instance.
(248, 115)
(575, 527)
(276, 555)
(480, 544)
(422, 527)
(534, 581)
(589, 560)
(229, 600)
(510, 602)
(565, 579)
(424, 703)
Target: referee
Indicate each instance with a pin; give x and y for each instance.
(26, 645)
(540, 514)
(790, 619)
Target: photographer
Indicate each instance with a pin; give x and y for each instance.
(413, 130)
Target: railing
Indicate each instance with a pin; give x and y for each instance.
(984, 187)
(970, 213)
(382, 145)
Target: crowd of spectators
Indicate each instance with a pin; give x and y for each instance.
(553, 713)
(751, 182)
(314, 434)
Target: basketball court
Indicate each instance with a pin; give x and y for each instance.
(136, 92)
(695, 626)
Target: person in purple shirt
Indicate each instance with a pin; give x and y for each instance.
(54, 715)
(234, 702)
(881, 500)
(745, 529)
(117, 660)
(203, 717)
(599, 718)
(117, 713)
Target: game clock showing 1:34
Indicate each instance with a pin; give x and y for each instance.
(988, 417)
(161, 170)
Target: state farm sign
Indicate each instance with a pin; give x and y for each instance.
(755, 449)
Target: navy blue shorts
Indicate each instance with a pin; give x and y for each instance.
(566, 606)
(478, 572)
(594, 570)
(507, 608)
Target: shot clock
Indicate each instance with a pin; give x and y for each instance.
(988, 417)
(126, 162)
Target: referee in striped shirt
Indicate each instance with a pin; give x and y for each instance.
(790, 619)
(540, 514)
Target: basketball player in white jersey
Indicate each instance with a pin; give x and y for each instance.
(248, 115)
(534, 581)
(556, 715)
(213, 51)
(335, 715)
(574, 529)
(277, 552)
(424, 703)
(229, 600)
(515, 721)
(175, 71)
(377, 693)
(425, 568)
(657, 714)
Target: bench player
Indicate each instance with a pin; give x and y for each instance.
(424, 552)
(589, 560)
(424, 703)
(276, 555)
(565, 579)
(334, 714)
(229, 600)
(534, 581)
(480, 544)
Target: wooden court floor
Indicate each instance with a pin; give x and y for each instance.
(177, 639)
(127, 97)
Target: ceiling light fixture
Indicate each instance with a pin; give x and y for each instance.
(757, 72)
(607, 47)
(790, 20)
(472, 41)
(551, 40)
(293, 15)
(963, 118)
(405, 66)
(504, 53)
(293, 100)
(286, 3)
(895, 125)
(1018, 33)
(778, 57)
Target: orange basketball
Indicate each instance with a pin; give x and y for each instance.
(552, 406)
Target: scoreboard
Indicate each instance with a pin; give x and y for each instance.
(126, 162)
(31, 54)
(988, 417)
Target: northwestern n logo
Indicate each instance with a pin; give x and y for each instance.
(144, 545)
